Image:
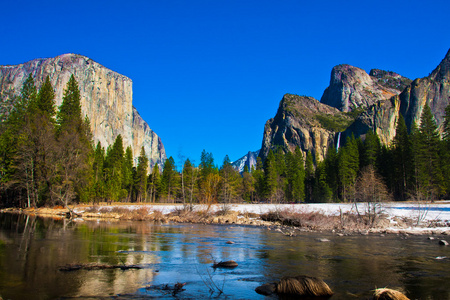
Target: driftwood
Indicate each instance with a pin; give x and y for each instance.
(388, 294)
(226, 264)
(76, 267)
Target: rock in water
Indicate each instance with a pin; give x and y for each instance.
(443, 243)
(226, 264)
(302, 286)
(106, 99)
(388, 294)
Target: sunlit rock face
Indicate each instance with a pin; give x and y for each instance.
(351, 87)
(304, 122)
(354, 103)
(382, 116)
(106, 99)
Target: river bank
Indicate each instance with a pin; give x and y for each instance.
(340, 218)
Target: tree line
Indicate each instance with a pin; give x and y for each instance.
(47, 158)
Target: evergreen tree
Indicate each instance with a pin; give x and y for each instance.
(428, 162)
(402, 161)
(154, 184)
(309, 177)
(45, 102)
(169, 180)
(113, 167)
(258, 179)
(190, 179)
(295, 172)
(348, 164)
(248, 185)
(127, 171)
(322, 192)
(370, 150)
(141, 176)
(230, 180)
(270, 176)
(98, 177)
(445, 151)
(69, 114)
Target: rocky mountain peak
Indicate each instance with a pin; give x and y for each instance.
(351, 87)
(442, 71)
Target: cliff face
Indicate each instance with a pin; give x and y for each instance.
(304, 122)
(352, 87)
(106, 99)
(373, 101)
(433, 90)
(382, 116)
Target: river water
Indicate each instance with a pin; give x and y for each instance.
(32, 250)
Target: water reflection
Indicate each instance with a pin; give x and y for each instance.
(32, 250)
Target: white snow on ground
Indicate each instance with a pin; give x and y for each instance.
(419, 213)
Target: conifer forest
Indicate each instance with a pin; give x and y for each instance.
(48, 158)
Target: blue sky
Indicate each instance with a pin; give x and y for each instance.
(209, 74)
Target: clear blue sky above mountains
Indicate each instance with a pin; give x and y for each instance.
(209, 74)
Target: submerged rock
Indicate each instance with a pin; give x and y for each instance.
(226, 264)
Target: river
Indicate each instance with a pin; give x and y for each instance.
(32, 250)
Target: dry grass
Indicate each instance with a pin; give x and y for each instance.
(317, 220)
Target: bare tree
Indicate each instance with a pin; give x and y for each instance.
(370, 188)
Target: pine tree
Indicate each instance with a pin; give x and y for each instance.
(141, 176)
(295, 172)
(258, 179)
(98, 176)
(113, 167)
(348, 165)
(402, 161)
(190, 174)
(370, 150)
(428, 162)
(127, 171)
(270, 176)
(309, 177)
(69, 114)
(154, 182)
(45, 102)
(169, 180)
(445, 151)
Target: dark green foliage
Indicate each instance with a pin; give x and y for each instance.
(141, 177)
(45, 102)
(309, 177)
(429, 172)
(370, 150)
(348, 164)
(69, 114)
(169, 180)
(402, 162)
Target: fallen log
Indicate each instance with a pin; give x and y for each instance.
(76, 267)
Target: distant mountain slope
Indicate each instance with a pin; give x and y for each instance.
(248, 160)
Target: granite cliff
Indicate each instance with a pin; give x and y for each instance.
(382, 116)
(351, 88)
(354, 103)
(305, 122)
(106, 99)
